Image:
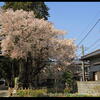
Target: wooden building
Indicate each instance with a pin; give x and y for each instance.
(94, 61)
(76, 68)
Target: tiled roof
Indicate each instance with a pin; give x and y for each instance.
(91, 55)
(79, 62)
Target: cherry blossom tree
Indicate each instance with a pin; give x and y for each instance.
(34, 42)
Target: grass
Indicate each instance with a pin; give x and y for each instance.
(43, 93)
(70, 95)
(31, 93)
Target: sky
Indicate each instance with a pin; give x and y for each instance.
(77, 18)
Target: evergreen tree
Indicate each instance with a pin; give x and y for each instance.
(67, 78)
(40, 9)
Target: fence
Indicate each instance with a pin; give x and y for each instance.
(89, 87)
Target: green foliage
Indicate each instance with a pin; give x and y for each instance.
(5, 67)
(32, 93)
(67, 79)
(68, 95)
(40, 9)
(77, 95)
(51, 90)
(43, 93)
(7, 70)
(67, 90)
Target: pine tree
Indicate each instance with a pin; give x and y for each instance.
(40, 9)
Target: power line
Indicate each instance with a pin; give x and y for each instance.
(89, 32)
(96, 46)
(88, 26)
(91, 45)
(89, 23)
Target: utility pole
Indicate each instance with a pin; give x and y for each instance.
(83, 67)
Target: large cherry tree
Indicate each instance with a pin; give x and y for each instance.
(34, 42)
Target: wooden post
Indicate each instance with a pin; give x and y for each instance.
(83, 69)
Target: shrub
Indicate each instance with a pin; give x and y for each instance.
(67, 90)
(32, 93)
(51, 90)
(67, 79)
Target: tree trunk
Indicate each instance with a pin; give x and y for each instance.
(25, 74)
(11, 78)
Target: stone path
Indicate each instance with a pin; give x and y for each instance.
(4, 93)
